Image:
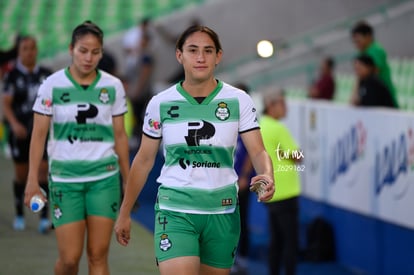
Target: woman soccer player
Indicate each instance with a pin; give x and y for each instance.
(197, 224)
(82, 108)
(20, 90)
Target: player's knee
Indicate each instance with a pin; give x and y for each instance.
(97, 256)
(69, 264)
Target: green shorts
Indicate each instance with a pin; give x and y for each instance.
(71, 202)
(212, 237)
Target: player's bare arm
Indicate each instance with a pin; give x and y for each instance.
(121, 146)
(140, 168)
(261, 162)
(37, 143)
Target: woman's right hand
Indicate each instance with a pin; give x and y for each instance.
(122, 229)
(19, 130)
(32, 188)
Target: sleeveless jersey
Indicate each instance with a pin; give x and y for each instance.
(23, 85)
(198, 144)
(81, 138)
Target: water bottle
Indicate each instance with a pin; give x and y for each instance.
(37, 203)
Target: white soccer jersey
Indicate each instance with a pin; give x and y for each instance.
(81, 138)
(198, 143)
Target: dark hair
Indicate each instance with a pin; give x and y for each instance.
(363, 28)
(197, 28)
(366, 60)
(330, 62)
(22, 38)
(145, 21)
(87, 27)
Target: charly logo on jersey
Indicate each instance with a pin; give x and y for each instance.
(254, 111)
(173, 111)
(165, 243)
(104, 96)
(65, 97)
(222, 111)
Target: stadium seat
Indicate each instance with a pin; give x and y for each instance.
(50, 21)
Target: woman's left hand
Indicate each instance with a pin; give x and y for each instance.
(269, 187)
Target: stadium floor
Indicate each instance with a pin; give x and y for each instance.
(29, 252)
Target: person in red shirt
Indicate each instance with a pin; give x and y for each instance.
(324, 86)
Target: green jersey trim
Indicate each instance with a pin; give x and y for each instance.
(201, 201)
(76, 84)
(71, 169)
(192, 100)
(217, 111)
(72, 95)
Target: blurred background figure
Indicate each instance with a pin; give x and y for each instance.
(371, 91)
(108, 63)
(244, 169)
(364, 40)
(283, 208)
(140, 88)
(20, 91)
(131, 44)
(324, 86)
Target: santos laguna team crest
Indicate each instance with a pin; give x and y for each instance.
(222, 112)
(104, 96)
(165, 243)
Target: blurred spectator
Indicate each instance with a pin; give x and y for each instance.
(20, 90)
(283, 207)
(364, 40)
(140, 88)
(245, 172)
(108, 63)
(131, 45)
(324, 86)
(371, 91)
